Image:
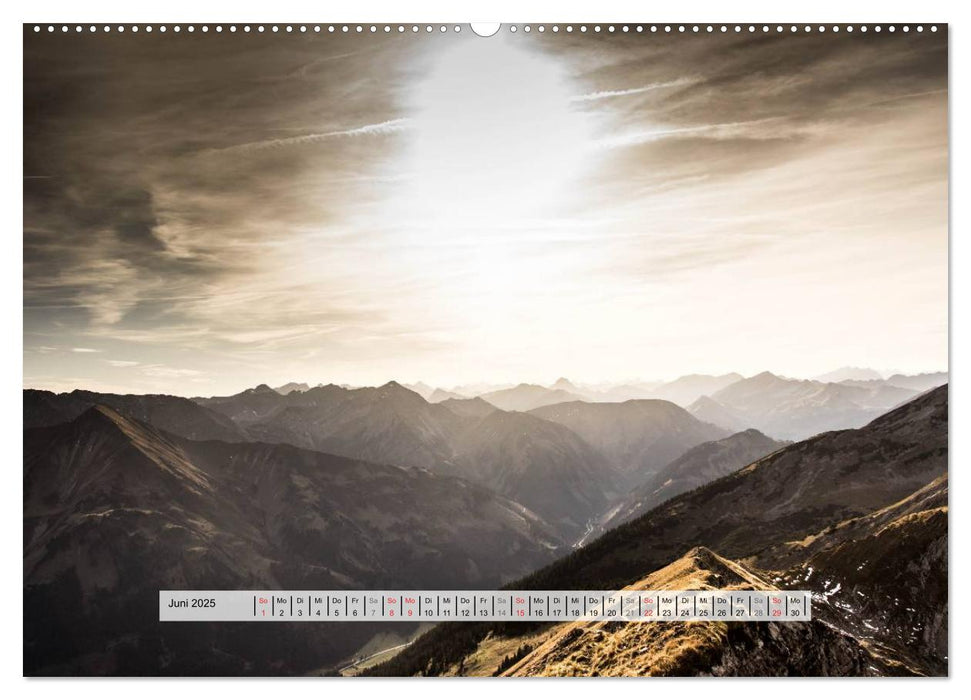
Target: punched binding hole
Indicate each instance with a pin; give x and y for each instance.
(485, 29)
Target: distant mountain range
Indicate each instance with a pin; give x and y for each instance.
(526, 397)
(684, 391)
(708, 410)
(795, 409)
(850, 374)
(440, 395)
(854, 515)
(918, 382)
(638, 437)
(782, 407)
(291, 387)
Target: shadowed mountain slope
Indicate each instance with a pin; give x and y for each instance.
(388, 424)
(886, 574)
(115, 510)
(790, 494)
(880, 479)
(696, 467)
(475, 408)
(538, 463)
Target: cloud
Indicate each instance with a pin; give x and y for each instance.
(123, 363)
(606, 94)
(164, 372)
(756, 129)
(384, 128)
(84, 350)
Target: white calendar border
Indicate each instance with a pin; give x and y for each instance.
(829, 11)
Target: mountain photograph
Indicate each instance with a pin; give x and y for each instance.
(367, 351)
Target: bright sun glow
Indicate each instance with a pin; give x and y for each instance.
(495, 138)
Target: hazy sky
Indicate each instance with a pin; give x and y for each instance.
(203, 213)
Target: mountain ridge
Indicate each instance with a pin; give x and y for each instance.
(601, 648)
(116, 510)
(746, 516)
